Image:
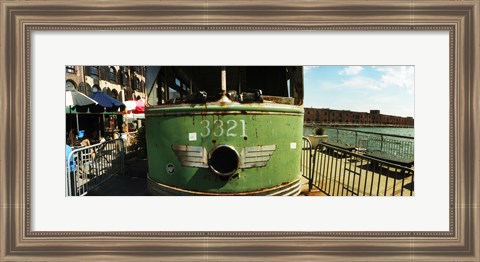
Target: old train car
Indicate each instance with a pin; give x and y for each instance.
(224, 130)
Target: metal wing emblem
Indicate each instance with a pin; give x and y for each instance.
(256, 156)
(197, 156)
(191, 156)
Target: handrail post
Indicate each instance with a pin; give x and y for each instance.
(68, 177)
(356, 139)
(310, 175)
(381, 143)
(312, 167)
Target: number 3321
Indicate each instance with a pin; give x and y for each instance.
(220, 127)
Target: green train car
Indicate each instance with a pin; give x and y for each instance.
(232, 130)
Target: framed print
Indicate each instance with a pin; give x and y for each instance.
(438, 40)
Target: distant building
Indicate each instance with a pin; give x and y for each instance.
(345, 117)
(121, 82)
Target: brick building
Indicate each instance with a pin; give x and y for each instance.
(121, 82)
(374, 117)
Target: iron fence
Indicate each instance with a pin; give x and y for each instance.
(339, 172)
(93, 165)
(395, 145)
(306, 161)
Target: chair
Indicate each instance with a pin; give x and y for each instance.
(85, 161)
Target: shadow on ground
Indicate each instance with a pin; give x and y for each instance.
(132, 183)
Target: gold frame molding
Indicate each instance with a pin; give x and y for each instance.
(20, 18)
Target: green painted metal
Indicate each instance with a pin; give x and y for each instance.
(237, 125)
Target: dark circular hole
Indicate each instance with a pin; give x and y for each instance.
(224, 160)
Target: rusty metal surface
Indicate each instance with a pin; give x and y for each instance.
(269, 149)
(224, 108)
(279, 100)
(264, 132)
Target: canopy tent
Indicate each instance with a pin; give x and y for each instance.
(77, 102)
(74, 99)
(135, 112)
(131, 117)
(135, 106)
(106, 103)
(91, 111)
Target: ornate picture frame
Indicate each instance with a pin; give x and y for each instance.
(19, 19)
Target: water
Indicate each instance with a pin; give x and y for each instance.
(401, 147)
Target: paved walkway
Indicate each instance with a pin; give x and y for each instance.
(134, 182)
(305, 191)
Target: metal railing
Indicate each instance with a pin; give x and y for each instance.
(93, 165)
(395, 145)
(306, 161)
(338, 172)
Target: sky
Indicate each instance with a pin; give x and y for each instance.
(389, 89)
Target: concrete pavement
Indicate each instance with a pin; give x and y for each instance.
(134, 182)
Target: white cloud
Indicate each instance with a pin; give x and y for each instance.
(361, 82)
(356, 82)
(401, 76)
(379, 99)
(308, 68)
(351, 70)
(392, 76)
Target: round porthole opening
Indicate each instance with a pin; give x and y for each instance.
(223, 160)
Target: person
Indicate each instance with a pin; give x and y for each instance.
(71, 164)
(85, 142)
(95, 137)
(70, 161)
(71, 140)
